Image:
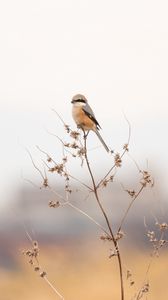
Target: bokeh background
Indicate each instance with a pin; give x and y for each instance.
(115, 53)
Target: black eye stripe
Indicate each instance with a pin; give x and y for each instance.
(80, 100)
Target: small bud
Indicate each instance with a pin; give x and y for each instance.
(43, 274)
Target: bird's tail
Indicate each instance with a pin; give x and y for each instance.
(101, 140)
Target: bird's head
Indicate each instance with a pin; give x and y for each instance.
(79, 99)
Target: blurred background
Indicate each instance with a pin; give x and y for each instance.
(115, 53)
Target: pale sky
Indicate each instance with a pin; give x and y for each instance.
(114, 52)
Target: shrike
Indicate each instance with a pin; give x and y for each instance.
(84, 116)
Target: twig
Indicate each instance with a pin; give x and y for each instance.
(129, 207)
(78, 180)
(123, 153)
(40, 172)
(59, 116)
(52, 287)
(89, 217)
(66, 202)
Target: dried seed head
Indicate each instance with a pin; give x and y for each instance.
(125, 147)
(54, 204)
(49, 159)
(31, 262)
(105, 237)
(117, 160)
(33, 256)
(119, 235)
(45, 182)
(68, 189)
(106, 181)
(146, 179)
(74, 145)
(35, 245)
(113, 253)
(64, 159)
(151, 235)
(67, 145)
(43, 274)
(145, 288)
(162, 243)
(74, 134)
(59, 169)
(67, 128)
(129, 274)
(27, 252)
(163, 226)
(81, 152)
(132, 193)
(129, 277)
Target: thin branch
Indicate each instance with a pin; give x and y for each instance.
(59, 116)
(89, 217)
(129, 129)
(29, 181)
(40, 172)
(78, 180)
(48, 156)
(52, 287)
(129, 207)
(66, 202)
(134, 162)
(123, 153)
(59, 140)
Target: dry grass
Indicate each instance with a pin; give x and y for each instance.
(84, 272)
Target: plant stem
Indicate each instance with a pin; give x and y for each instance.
(95, 188)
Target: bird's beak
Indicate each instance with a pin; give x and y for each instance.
(72, 101)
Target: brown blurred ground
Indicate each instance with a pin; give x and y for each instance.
(84, 271)
(71, 252)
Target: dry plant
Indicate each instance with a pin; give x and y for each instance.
(158, 240)
(32, 255)
(77, 147)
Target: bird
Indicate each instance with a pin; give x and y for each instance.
(84, 117)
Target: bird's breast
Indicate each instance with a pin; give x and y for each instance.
(82, 120)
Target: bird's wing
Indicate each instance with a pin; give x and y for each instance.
(89, 112)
